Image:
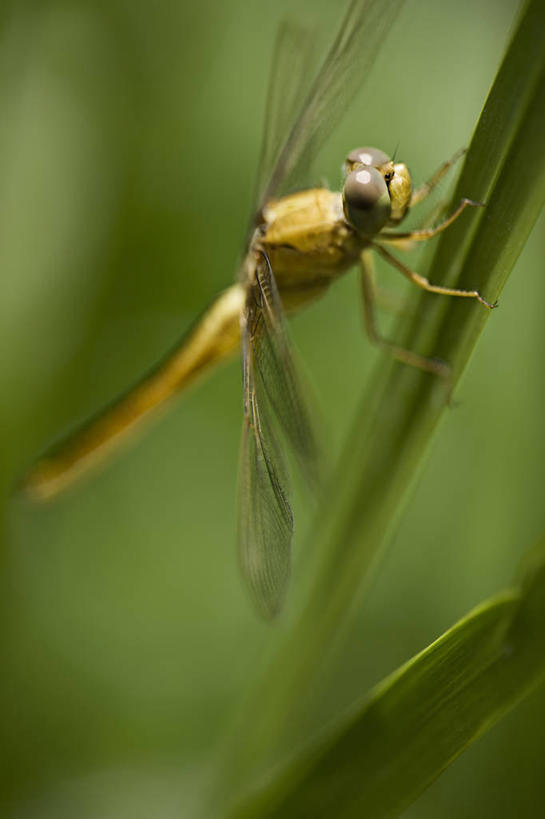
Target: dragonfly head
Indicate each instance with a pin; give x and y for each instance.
(376, 190)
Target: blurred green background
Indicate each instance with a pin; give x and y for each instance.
(129, 135)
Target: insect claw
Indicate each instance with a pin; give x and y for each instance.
(488, 304)
(444, 370)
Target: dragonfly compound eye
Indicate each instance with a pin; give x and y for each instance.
(366, 156)
(366, 201)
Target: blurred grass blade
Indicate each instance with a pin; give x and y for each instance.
(505, 167)
(415, 723)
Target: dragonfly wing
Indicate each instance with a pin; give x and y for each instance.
(271, 398)
(290, 69)
(265, 517)
(282, 383)
(345, 68)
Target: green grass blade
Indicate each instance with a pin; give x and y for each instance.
(415, 723)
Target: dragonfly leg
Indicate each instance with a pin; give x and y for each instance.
(385, 300)
(436, 213)
(421, 362)
(424, 190)
(425, 284)
(428, 233)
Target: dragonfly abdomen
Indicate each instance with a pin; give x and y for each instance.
(215, 337)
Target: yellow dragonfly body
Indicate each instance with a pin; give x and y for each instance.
(298, 245)
(308, 243)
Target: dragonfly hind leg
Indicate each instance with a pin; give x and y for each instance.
(425, 284)
(431, 365)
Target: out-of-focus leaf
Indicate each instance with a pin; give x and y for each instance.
(415, 723)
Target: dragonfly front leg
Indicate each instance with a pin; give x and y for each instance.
(435, 215)
(393, 237)
(430, 365)
(424, 190)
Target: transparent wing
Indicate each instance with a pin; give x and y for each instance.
(282, 384)
(265, 516)
(271, 394)
(344, 70)
(289, 78)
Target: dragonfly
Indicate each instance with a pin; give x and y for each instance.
(298, 242)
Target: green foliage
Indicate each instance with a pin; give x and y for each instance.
(379, 758)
